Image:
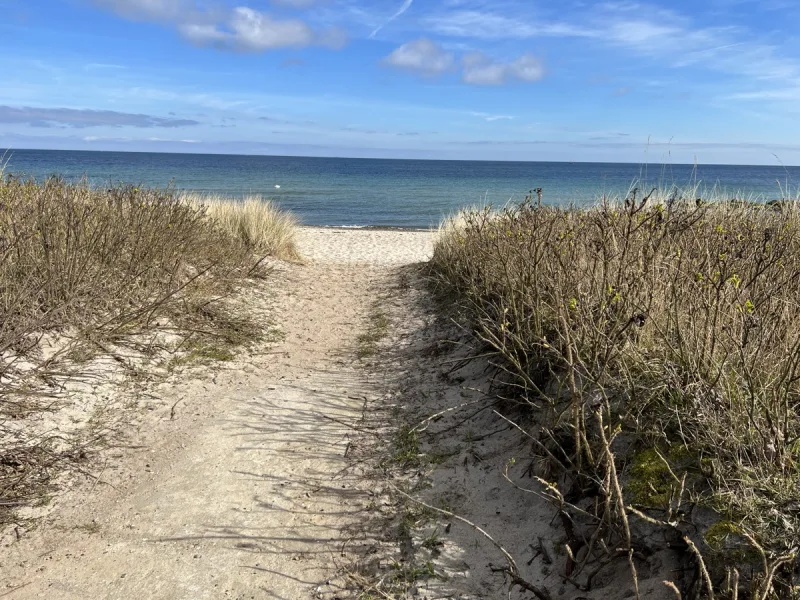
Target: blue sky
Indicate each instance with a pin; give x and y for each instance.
(713, 81)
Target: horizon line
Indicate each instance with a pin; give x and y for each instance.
(5, 152)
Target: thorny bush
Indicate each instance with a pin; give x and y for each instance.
(659, 341)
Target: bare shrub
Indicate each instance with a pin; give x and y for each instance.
(658, 339)
(99, 267)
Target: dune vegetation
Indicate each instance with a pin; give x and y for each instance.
(654, 343)
(258, 224)
(90, 271)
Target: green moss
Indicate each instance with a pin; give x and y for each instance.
(214, 353)
(717, 535)
(377, 330)
(407, 447)
(410, 573)
(650, 482)
(201, 353)
(728, 546)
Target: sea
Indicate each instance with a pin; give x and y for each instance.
(361, 192)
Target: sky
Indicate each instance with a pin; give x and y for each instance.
(715, 81)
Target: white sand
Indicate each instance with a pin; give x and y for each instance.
(365, 246)
(228, 482)
(248, 479)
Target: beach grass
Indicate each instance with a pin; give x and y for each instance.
(92, 270)
(655, 341)
(254, 220)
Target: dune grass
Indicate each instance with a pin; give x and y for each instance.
(104, 268)
(656, 343)
(255, 221)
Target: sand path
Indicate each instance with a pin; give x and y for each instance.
(236, 491)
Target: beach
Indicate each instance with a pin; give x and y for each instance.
(230, 480)
(399, 300)
(334, 412)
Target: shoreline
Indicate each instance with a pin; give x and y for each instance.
(399, 228)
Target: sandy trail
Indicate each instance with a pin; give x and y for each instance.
(237, 492)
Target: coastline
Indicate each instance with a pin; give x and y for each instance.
(410, 228)
(376, 246)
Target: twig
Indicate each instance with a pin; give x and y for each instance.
(533, 439)
(511, 562)
(96, 481)
(702, 566)
(540, 593)
(674, 588)
(12, 590)
(435, 416)
(172, 410)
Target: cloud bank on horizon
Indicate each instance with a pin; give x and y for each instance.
(717, 81)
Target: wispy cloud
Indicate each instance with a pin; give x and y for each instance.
(663, 35)
(401, 11)
(489, 25)
(422, 56)
(426, 57)
(241, 29)
(103, 66)
(479, 69)
(83, 118)
(490, 117)
(248, 30)
(158, 139)
(124, 140)
(789, 94)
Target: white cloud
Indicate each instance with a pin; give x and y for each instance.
(426, 57)
(405, 6)
(241, 29)
(490, 117)
(479, 69)
(82, 118)
(203, 34)
(251, 31)
(789, 94)
(647, 30)
(97, 138)
(475, 24)
(422, 56)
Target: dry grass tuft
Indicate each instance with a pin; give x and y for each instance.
(261, 227)
(103, 268)
(657, 339)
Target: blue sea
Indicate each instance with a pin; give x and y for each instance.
(393, 193)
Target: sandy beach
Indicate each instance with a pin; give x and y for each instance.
(399, 300)
(229, 483)
(276, 475)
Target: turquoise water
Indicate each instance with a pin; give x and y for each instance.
(401, 193)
